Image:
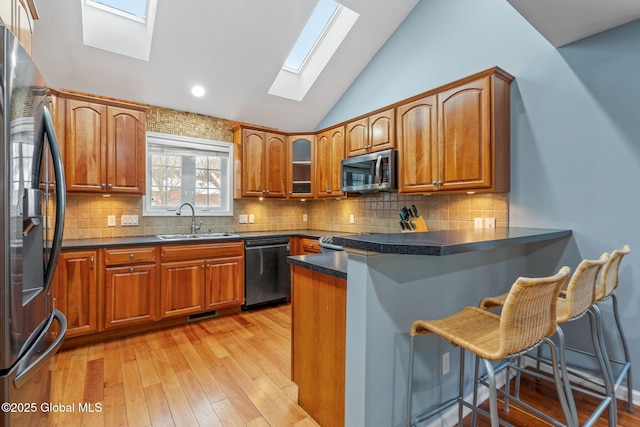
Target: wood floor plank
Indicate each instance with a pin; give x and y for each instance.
(115, 412)
(112, 371)
(235, 394)
(227, 414)
(135, 403)
(200, 406)
(158, 407)
(179, 406)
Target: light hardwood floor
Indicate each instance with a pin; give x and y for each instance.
(228, 371)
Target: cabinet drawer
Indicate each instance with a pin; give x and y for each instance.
(132, 255)
(310, 245)
(212, 250)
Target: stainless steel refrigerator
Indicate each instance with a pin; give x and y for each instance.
(32, 200)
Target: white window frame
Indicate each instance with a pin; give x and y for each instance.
(186, 142)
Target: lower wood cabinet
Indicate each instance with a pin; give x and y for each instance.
(129, 286)
(129, 295)
(103, 289)
(201, 277)
(75, 291)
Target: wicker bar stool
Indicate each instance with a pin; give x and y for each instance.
(527, 320)
(574, 302)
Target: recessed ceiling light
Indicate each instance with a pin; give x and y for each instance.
(197, 91)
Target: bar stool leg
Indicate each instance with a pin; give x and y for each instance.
(412, 344)
(557, 378)
(565, 376)
(493, 394)
(476, 379)
(627, 358)
(597, 336)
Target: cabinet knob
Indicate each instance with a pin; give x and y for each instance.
(109, 185)
(103, 185)
(290, 192)
(131, 269)
(202, 265)
(131, 256)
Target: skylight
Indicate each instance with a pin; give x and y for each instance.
(325, 30)
(132, 7)
(124, 27)
(318, 23)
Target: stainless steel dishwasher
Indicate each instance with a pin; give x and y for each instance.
(267, 276)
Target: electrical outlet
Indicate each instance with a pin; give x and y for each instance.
(243, 219)
(251, 218)
(477, 223)
(305, 217)
(445, 363)
(111, 220)
(352, 219)
(490, 223)
(129, 219)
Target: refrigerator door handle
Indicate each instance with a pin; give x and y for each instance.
(25, 374)
(61, 190)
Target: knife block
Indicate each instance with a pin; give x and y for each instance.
(419, 223)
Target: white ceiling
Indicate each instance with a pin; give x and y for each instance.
(236, 48)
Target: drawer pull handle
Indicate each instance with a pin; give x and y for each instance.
(131, 269)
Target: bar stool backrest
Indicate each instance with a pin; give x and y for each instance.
(529, 312)
(581, 290)
(610, 273)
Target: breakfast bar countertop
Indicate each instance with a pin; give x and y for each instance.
(447, 242)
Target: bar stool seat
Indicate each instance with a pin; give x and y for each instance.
(527, 319)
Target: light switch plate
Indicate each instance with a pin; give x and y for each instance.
(111, 220)
(243, 219)
(489, 223)
(478, 223)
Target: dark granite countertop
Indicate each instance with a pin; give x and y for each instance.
(330, 263)
(448, 242)
(154, 240)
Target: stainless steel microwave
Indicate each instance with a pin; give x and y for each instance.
(370, 172)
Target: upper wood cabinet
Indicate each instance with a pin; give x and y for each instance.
(18, 17)
(104, 146)
(457, 139)
(373, 133)
(263, 163)
(330, 152)
(302, 166)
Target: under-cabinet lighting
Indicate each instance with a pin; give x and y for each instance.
(471, 192)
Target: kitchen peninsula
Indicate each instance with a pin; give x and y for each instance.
(373, 293)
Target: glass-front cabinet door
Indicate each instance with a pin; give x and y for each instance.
(302, 166)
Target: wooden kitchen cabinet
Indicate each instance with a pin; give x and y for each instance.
(130, 286)
(330, 152)
(370, 134)
(75, 291)
(457, 140)
(302, 166)
(18, 17)
(264, 163)
(104, 146)
(196, 278)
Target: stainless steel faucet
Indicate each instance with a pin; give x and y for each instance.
(194, 227)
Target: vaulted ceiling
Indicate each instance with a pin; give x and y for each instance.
(235, 49)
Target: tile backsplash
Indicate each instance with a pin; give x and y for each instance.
(87, 215)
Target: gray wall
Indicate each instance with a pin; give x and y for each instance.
(575, 123)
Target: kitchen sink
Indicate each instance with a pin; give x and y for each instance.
(216, 235)
(195, 236)
(178, 236)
